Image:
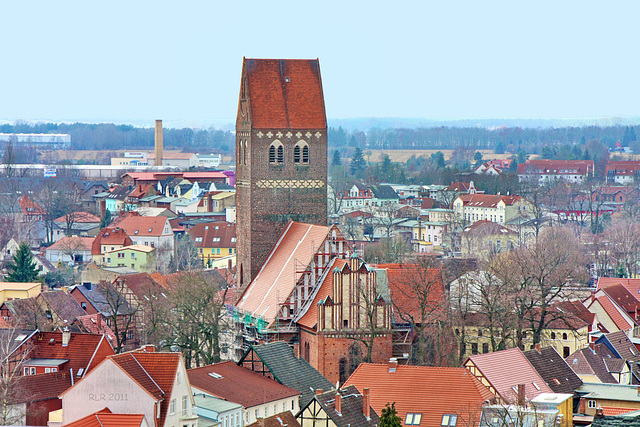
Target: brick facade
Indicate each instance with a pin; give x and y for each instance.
(269, 193)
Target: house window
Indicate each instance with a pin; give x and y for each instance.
(83, 305)
(275, 409)
(553, 335)
(413, 419)
(449, 420)
(184, 405)
(591, 404)
(172, 407)
(120, 255)
(474, 348)
(485, 347)
(564, 336)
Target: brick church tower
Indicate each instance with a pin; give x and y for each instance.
(281, 155)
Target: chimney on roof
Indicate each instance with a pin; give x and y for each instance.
(538, 348)
(99, 321)
(599, 412)
(149, 348)
(319, 391)
(66, 336)
(393, 364)
(521, 395)
(338, 404)
(593, 296)
(366, 405)
(159, 143)
(592, 346)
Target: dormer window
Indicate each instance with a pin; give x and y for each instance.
(413, 419)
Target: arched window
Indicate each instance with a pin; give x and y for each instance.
(276, 153)
(245, 152)
(239, 161)
(301, 153)
(564, 336)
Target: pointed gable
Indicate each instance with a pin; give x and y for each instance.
(284, 93)
(278, 276)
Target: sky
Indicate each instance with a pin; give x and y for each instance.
(136, 61)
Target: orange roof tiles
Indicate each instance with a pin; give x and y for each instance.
(279, 274)
(285, 93)
(505, 369)
(431, 391)
(632, 285)
(215, 234)
(80, 217)
(616, 410)
(83, 351)
(238, 384)
(136, 225)
(613, 312)
(408, 284)
(155, 372)
(74, 243)
(105, 418)
(43, 386)
(110, 236)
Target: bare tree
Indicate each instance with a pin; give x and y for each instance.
(120, 315)
(196, 321)
(14, 351)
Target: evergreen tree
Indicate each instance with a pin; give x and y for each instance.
(336, 161)
(357, 162)
(389, 416)
(438, 159)
(106, 219)
(499, 148)
(23, 268)
(477, 158)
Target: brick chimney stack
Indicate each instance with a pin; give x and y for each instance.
(159, 143)
(338, 404)
(99, 321)
(366, 403)
(521, 395)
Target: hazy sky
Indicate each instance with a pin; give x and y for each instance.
(134, 61)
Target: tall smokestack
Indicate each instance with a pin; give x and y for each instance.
(159, 143)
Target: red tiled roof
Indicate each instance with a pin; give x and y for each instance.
(623, 298)
(557, 167)
(488, 227)
(431, 391)
(623, 167)
(310, 317)
(29, 207)
(238, 384)
(278, 275)
(407, 284)
(80, 217)
(34, 388)
(284, 93)
(613, 313)
(632, 285)
(74, 243)
(155, 372)
(104, 418)
(89, 323)
(208, 232)
(137, 225)
(142, 284)
(110, 236)
(487, 200)
(83, 351)
(506, 369)
(616, 410)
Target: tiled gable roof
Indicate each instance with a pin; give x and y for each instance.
(72, 243)
(63, 305)
(215, 234)
(97, 297)
(505, 369)
(80, 217)
(632, 285)
(278, 275)
(486, 227)
(622, 345)
(283, 419)
(554, 370)
(136, 225)
(105, 418)
(619, 319)
(287, 369)
(625, 299)
(487, 200)
(384, 192)
(556, 167)
(406, 282)
(142, 284)
(155, 372)
(432, 391)
(284, 93)
(89, 324)
(43, 386)
(238, 384)
(586, 362)
(110, 236)
(351, 414)
(83, 351)
(119, 193)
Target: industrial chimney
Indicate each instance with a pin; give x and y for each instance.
(159, 143)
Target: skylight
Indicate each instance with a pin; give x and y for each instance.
(215, 375)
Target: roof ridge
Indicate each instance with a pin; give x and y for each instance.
(145, 371)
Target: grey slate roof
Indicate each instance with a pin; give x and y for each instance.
(384, 192)
(352, 403)
(288, 370)
(617, 421)
(553, 370)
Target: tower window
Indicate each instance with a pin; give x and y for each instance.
(301, 153)
(276, 153)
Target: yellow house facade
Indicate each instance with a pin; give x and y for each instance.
(15, 290)
(138, 257)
